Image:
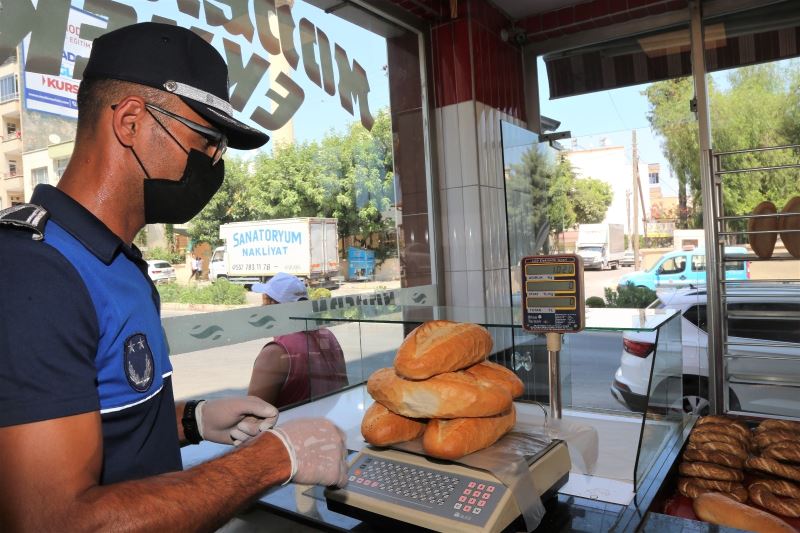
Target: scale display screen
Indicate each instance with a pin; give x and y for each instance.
(551, 302)
(550, 269)
(551, 286)
(553, 293)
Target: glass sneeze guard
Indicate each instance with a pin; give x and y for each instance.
(491, 317)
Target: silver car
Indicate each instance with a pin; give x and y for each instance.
(762, 359)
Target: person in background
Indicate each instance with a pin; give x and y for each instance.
(198, 267)
(90, 433)
(298, 366)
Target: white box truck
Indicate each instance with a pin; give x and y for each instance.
(601, 246)
(255, 251)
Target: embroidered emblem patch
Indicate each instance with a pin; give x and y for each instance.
(138, 361)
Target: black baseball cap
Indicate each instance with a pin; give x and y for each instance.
(175, 60)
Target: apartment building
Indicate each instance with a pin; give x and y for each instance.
(12, 189)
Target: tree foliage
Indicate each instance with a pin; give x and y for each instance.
(544, 195)
(758, 106)
(345, 176)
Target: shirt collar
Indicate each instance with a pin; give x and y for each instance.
(80, 223)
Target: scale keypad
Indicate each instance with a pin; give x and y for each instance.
(422, 489)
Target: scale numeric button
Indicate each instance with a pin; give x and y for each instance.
(481, 503)
(486, 496)
(476, 510)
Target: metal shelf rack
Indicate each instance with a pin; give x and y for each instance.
(723, 350)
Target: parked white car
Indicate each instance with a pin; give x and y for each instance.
(161, 271)
(762, 359)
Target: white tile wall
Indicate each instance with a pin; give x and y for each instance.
(473, 204)
(468, 140)
(453, 228)
(472, 228)
(459, 289)
(452, 146)
(475, 288)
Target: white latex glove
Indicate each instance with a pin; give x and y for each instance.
(228, 420)
(317, 450)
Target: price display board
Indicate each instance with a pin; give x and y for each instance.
(553, 293)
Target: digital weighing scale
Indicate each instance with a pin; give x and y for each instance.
(439, 495)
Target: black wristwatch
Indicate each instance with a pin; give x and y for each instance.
(190, 430)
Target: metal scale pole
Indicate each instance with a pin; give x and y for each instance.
(554, 368)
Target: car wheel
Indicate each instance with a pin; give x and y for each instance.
(696, 404)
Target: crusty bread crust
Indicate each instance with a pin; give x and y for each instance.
(450, 395)
(441, 346)
(791, 240)
(763, 243)
(382, 427)
(716, 508)
(498, 374)
(453, 439)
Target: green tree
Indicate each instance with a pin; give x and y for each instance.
(230, 204)
(758, 106)
(591, 199)
(344, 176)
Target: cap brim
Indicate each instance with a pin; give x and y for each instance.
(240, 135)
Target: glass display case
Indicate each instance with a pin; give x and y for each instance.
(615, 453)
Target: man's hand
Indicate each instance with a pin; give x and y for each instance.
(234, 420)
(317, 451)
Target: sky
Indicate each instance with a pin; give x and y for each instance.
(592, 118)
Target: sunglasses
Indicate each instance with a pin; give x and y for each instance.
(211, 135)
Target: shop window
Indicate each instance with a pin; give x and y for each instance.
(39, 175)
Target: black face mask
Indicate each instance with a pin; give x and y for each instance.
(177, 202)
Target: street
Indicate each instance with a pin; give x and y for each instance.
(596, 280)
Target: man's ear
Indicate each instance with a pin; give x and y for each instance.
(128, 119)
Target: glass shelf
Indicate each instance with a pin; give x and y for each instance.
(596, 319)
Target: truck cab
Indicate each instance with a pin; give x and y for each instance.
(216, 266)
(685, 268)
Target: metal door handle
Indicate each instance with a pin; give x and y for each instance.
(683, 277)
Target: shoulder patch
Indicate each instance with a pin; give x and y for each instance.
(138, 359)
(30, 217)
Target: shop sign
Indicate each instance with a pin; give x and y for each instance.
(48, 21)
(59, 94)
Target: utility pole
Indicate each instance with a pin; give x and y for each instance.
(635, 164)
(628, 219)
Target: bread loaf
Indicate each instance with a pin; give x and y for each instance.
(763, 243)
(791, 240)
(450, 395)
(498, 374)
(382, 427)
(441, 346)
(452, 439)
(716, 508)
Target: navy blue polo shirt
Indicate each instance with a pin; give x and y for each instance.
(80, 331)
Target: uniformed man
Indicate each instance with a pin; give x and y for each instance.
(89, 430)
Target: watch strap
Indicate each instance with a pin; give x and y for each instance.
(191, 432)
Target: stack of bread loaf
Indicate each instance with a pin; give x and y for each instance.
(726, 465)
(777, 463)
(713, 460)
(442, 388)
